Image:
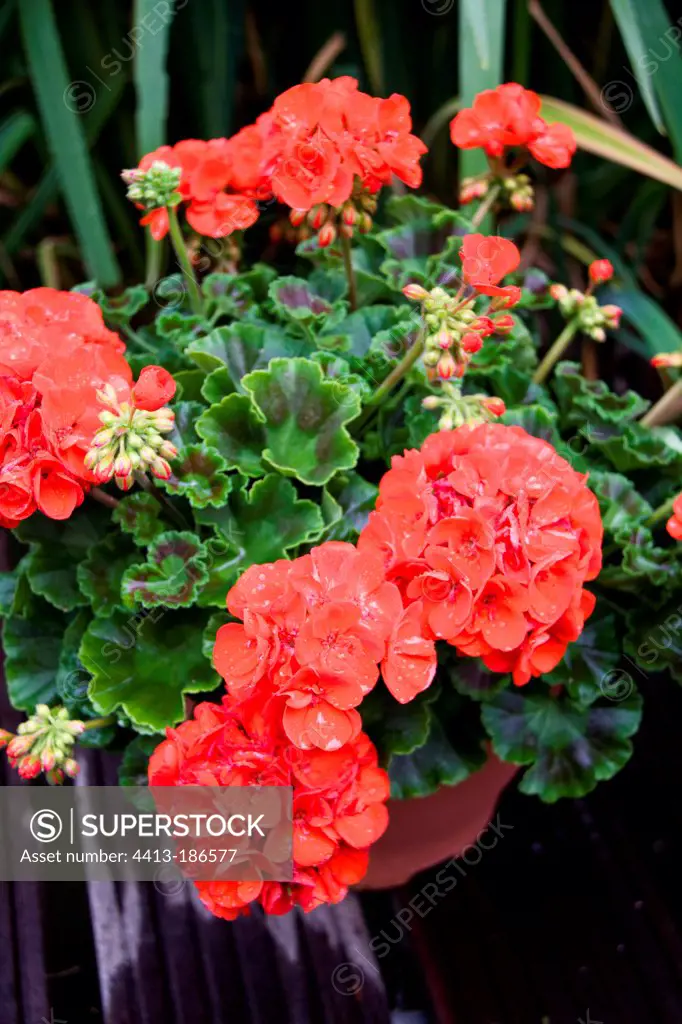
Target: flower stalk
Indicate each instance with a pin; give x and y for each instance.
(184, 261)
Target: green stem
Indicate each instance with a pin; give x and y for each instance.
(184, 261)
(394, 377)
(663, 511)
(150, 487)
(350, 273)
(139, 341)
(666, 409)
(556, 351)
(99, 723)
(486, 206)
(103, 498)
(154, 258)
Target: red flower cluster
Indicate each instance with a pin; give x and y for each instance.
(490, 536)
(216, 205)
(338, 808)
(320, 138)
(509, 118)
(55, 352)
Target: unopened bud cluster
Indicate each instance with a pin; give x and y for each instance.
(155, 187)
(44, 743)
(457, 409)
(592, 319)
(330, 222)
(514, 190)
(129, 441)
(453, 331)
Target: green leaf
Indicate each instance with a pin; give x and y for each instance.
(597, 136)
(217, 620)
(186, 416)
(644, 28)
(135, 761)
(659, 333)
(569, 747)
(397, 729)
(190, 384)
(149, 73)
(101, 574)
(14, 132)
(217, 385)
(119, 310)
(590, 660)
(437, 762)
(138, 514)
(242, 347)
(304, 417)
(57, 548)
(144, 665)
(620, 504)
(54, 89)
(364, 324)
(477, 20)
(355, 497)
(198, 475)
(32, 646)
(536, 420)
(234, 429)
(295, 300)
(173, 574)
(266, 521)
(591, 401)
(8, 588)
(73, 680)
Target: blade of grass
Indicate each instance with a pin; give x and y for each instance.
(48, 187)
(66, 139)
(14, 132)
(475, 17)
(218, 32)
(149, 73)
(369, 35)
(596, 136)
(645, 28)
(474, 76)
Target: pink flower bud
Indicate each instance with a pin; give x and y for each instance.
(472, 343)
(326, 235)
(447, 367)
(29, 768)
(415, 292)
(71, 767)
(495, 406)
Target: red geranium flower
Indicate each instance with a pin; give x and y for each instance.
(509, 117)
(508, 533)
(486, 260)
(339, 799)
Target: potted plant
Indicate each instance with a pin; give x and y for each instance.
(344, 528)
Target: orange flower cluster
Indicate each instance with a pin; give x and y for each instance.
(489, 535)
(322, 147)
(55, 352)
(209, 185)
(508, 118)
(338, 807)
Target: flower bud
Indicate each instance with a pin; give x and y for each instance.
(349, 215)
(431, 402)
(482, 325)
(612, 314)
(446, 366)
(5, 738)
(19, 746)
(504, 324)
(667, 359)
(29, 767)
(444, 339)
(124, 482)
(161, 469)
(598, 333)
(600, 271)
(317, 216)
(327, 235)
(558, 292)
(472, 343)
(415, 292)
(494, 405)
(47, 760)
(71, 767)
(296, 217)
(431, 358)
(123, 466)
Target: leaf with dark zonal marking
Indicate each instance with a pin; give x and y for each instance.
(198, 475)
(173, 574)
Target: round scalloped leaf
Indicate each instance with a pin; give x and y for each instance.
(233, 429)
(590, 660)
(101, 574)
(186, 416)
(57, 548)
(144, 665)
(32, 647)
(198, 475)
(620, 504)
(138, 514)
(73, 680)
(175, 570)
(304, 417)
(569, 747)
(294, 298)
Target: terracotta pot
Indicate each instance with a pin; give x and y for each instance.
(427, 830)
